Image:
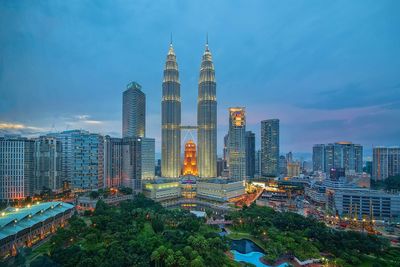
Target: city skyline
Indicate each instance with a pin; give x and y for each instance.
(75, 71)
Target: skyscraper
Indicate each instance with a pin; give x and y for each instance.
(385, 162)
(237, 143)
(134, 111)
(250, 154)
(319, 157)
(207, 118)
(171, 118)
(270, 147)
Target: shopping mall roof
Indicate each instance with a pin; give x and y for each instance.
(13, 220)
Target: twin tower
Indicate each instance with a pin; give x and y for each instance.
(206, 118)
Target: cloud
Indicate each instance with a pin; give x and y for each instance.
(20, 129)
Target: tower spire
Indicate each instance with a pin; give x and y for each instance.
(170, 41)
(207, 41)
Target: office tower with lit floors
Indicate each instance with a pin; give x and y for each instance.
(237, 144)
(133, 111)
(171, 118)
(207, 118)
(270, 148)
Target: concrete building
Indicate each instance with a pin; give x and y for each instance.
(293, 169)
(364, 203)
(47, 164)
(237, 144)
(207, 118)
(385, 162)
(171, 118)
(270, 148)
(16, 168)
(134, 111)
(250, 154)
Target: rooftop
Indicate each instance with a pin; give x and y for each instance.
(13, 220)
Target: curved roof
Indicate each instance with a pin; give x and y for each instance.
(13, 220)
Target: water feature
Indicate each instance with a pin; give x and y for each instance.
(245, 250)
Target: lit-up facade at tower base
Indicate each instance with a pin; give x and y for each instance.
(237, 143)
(189, 160)
(207, 119)
(171, 119)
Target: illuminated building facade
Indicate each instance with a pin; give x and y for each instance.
(207, 118)
(16, 167)
(171, 118)
(237, 143)
(189, 160)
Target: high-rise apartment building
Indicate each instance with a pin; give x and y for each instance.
(237, 143)
(16, 168)
(207, 118)
(82, 159)
(134, 111)
(270, 147)
(338, 155)
(250, 154)
(385, 162)
(171, 118)
(47, 164)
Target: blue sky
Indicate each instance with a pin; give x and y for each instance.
(329, 70)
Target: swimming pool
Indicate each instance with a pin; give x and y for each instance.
(251, 253)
